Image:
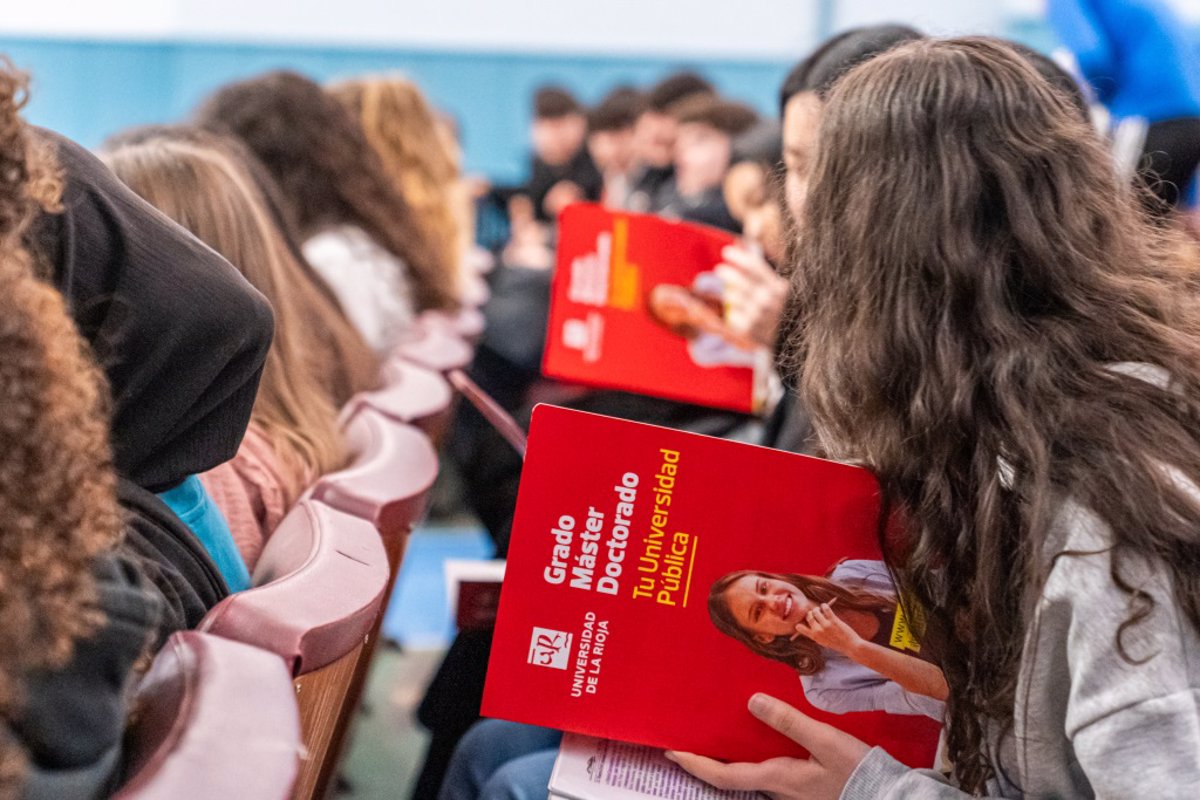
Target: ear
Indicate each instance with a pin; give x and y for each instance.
(763, 638)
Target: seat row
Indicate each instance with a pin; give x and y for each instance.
(257, 702)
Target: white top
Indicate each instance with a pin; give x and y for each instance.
(370, 283)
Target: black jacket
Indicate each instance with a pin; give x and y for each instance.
(72, 720)
(182, 338)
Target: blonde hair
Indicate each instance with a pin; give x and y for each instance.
(206, 191)
(415, 149)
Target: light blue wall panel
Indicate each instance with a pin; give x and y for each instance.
(88, 90)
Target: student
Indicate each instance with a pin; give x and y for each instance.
(293, 436)
(482, 756)
(654, 138)
(1141, 62)
(610, 142)
(357, 230)
(340, 356)
(420, 157)
(753, 193)
(75, 617)
(148, 297)
(993, 327)
(707, 126)
(562, 171)
(757, 293)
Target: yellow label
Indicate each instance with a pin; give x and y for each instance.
(625, 276)
(906, 633)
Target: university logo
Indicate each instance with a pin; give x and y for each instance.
(550, 648)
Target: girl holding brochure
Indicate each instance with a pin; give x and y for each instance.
(992, 324)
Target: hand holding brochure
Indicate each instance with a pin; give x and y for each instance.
(589, 769)
(657, 579)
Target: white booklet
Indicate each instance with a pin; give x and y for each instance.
(602, 769)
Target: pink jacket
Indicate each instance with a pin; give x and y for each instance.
(250, 491)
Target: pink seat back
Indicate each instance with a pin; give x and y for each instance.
(412, 395)
(436, 349)
(317, 589)
(389, 480)
(466, 323)
(214, 717)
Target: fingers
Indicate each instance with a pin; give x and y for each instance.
(824, 743)
(820, 739)
(729, 777)
(746, 259)
(768, 776)
(820, 617)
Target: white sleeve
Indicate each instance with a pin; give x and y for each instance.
(357, 290)
(865, 574)
(883, 695)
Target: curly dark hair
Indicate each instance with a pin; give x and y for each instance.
(58, 503)
(327, 171)
(971, 270)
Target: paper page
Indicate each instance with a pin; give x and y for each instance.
(602, 769)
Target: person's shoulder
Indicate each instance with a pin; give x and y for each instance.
(344, 243)
(859, 568)
(1092, 584)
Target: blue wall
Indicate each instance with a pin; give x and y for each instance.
(90, 89)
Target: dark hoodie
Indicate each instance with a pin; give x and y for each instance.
(73, 719)
(182, 338)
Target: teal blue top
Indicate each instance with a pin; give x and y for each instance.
(191, 503)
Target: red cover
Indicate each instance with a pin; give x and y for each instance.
(477, 603)
(630, 650)
(635, 306)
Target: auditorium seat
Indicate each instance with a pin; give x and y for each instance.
(318, 590)
(213, 718)
(434, 348)
(388, 481)
(411, 394)
(467, 323)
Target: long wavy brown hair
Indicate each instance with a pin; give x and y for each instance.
(328, 173)
(58, 506)
(801, 654)
(970, 270)
(414, 148)
(201, 187)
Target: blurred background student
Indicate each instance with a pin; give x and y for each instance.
(356, 227)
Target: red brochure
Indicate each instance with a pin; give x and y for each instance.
(636, 306)
(657, 579)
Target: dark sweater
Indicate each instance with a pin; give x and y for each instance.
(73, 719)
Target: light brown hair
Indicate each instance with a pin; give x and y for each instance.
(970, 269)
(204, 190)
(340, 356)
(415, 149)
